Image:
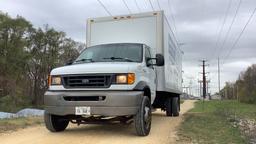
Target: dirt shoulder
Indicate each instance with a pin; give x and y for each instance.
(163, 131)
(10, 125)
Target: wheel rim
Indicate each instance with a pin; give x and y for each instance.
(147, 116)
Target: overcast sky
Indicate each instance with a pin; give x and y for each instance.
(196, 23)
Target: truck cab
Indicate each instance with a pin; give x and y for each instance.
(109, 80)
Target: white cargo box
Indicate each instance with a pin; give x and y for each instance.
(150, 28)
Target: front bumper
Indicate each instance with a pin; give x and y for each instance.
(116, 103)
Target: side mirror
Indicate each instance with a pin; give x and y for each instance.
(159, 60)
(70, 62)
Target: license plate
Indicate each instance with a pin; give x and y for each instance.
(83, 110)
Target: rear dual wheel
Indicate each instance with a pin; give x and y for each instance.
(172, 106)
(175, 106)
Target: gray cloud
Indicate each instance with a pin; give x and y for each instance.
(197, 25)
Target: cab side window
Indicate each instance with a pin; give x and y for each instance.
(148, 56)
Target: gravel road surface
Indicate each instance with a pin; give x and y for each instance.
(163, 131)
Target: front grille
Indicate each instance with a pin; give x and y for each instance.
(84, 98)
(87, 81)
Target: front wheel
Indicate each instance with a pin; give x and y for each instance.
(55, 123)
(143, 117)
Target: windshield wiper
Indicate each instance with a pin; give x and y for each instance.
(83, 60)
(120, 58)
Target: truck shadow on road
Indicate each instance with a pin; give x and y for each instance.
(158, 118)
(106, 129)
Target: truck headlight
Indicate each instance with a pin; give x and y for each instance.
(125, 78)
(54, 80)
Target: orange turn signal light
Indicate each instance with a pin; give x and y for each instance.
(49, 80)
(131, 78)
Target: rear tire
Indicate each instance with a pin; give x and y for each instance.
(143, 117)
(169, 106)
(175, 106)
(55, 123)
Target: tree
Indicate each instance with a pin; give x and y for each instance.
(247, 85)
(48, 49)
(13, 57)
(244, 88)
(27, 55)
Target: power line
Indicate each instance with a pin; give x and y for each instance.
(238, 38)
(171, 30)
(127, 6)
(145, 4)
(151, 5)
(222, 26)
(137, 5)
(158, 4)
(104, 7)
(173, 18)
(230, 27)
(241, 33)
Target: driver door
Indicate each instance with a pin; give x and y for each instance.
(150, 72)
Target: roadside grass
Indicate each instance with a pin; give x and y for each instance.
(182, 101)
(211, 122)
(18, 123)
(229, 108)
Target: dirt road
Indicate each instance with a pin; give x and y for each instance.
(163, 131)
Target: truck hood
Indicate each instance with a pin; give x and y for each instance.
(99, 67)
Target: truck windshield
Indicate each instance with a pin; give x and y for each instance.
(111, 52)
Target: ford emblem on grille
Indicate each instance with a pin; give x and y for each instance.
(85, 81)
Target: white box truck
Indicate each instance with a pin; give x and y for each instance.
(132, 64)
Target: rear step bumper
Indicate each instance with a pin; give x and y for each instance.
(105, 103)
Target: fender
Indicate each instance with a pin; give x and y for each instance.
(141, 86)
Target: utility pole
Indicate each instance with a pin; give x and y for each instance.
(219, 74)
(204, 80)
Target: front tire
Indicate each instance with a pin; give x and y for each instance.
(143, 118)
(55, 123)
